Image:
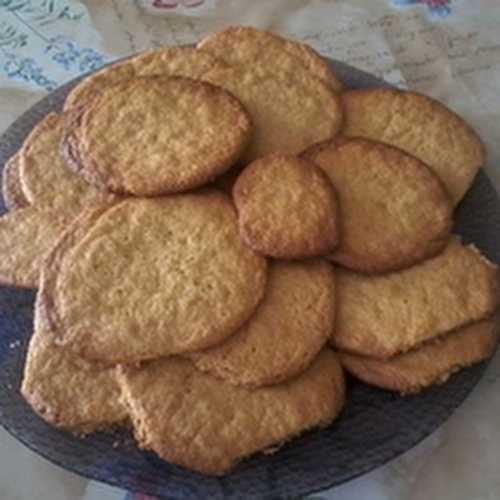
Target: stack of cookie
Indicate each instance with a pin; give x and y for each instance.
(207, 226)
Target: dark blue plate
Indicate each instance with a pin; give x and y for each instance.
(375, 427)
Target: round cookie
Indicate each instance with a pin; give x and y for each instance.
(287, 208)
(285, 334)
(26, 236)
(431, 363)
(170, 401)
(173, 271)
(155, 135)
(380, 316)
(167, 61)
(394, 211)
(67, 391)
(46, 179)
(290, 111)
(420, 126)
(245, 45)
(12, 192)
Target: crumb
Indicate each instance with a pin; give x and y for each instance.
(14, 344)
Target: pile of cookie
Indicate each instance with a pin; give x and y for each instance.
(217, 232)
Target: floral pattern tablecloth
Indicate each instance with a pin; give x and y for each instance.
(43, 43)
(38, 44)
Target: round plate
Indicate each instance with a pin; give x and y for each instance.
(375, 426)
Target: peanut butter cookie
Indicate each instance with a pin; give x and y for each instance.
(287, 208)
(170, 402)
(246, 46)
(155, 135)
(290, 110)
(145, 278)
(26, 236)
(166, 61)
(394, 210)
(68, 391)
(421, 126)
(431, 363)
(381, 316)
(290, 326)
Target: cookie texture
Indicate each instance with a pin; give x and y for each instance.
(290, 111)
(171, 61)
(45, 177)
(244, 45)
(420, 126)
(12, 192)
(26, 236)
(381, 316)
(174, 273)
(290, 326)
(155, 135)
(394, 210)
(433, 362)
(200, 422)
(287, 208)
(68, 391)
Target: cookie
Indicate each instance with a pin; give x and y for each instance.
(431, 363)
(287, 331)
(155, 135)
(67, 391)
(145, 278)
(381, 316)
(171, 61)
(247, 46)
(287, 208)
(46, 179)
(420, 126)
(13, 195)
(394, 210)
(200, 422)
(290, 111)
(26, 236)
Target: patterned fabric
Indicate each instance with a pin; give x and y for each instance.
(437, 8)
(37, 44)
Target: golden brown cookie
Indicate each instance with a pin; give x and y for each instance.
(287, 208)
(394, 210)
(381, 316)
(290, 111)
(154, 135)
(68, 391)
(291, 325)
(200, 422)
(431, 363)
(144, 278)
(46, 179)
(420, 126)
(247, 46)
(12, 192)
(26, 236)
(171, 61)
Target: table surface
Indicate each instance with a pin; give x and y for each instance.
(449, 49)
